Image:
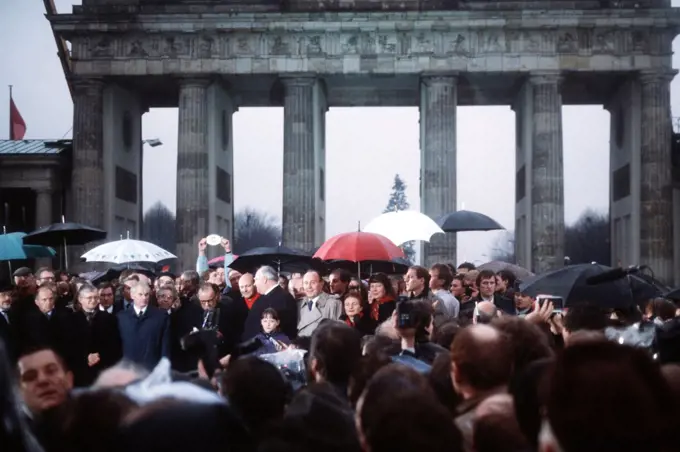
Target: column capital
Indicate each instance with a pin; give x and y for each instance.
(546, 77)
(197, 82)
(85, 85)
(302, 79)
(439, 78)
(663, 75)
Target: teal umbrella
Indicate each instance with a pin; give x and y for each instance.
(12, 248)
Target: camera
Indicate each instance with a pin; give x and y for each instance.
(404, 317)
(558, 302)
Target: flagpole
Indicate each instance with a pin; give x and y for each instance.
(10, 114)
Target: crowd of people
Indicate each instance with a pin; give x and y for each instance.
(446, 358)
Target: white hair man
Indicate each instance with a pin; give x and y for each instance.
(144, 330)
(272, 296)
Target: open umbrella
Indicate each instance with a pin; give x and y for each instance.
(58, 233)
(404, 226)
(496, 266)
(127, 251)
(359, 246)
(12, 248)
(64, 234)
(466, 220)
(276, 256)
(397, 266)
(673, 295)
(571, 283)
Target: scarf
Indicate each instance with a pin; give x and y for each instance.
(375, 306)
(349, 321)
(251, 301)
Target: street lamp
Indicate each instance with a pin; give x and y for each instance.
(153, 142)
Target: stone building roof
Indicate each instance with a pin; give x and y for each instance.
(34, 147)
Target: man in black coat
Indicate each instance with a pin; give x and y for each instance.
(273, 296)
(46, 325)
(96, 340)
(144, 330)
(7, 331)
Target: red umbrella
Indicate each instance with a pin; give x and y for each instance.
(357, 247)
(219, 260)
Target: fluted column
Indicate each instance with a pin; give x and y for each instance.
(299, 164)
(88, 155)
(438, 103)
(547, 168)
(43, 207)
(656, 189)
(192, 171)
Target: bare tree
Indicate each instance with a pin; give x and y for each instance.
(253, 228)
(159, 227)
(504, 248)
(585, 241)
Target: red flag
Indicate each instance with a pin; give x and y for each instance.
(17, 126)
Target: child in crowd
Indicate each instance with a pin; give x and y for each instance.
(272, 339)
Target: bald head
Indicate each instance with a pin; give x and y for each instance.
(246, 284)
(481, 360)
(486, 312)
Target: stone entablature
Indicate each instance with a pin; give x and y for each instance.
(365, 43)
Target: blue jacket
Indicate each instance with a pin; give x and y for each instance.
(269, 346)
(145, 340)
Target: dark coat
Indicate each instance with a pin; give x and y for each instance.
(8, 336)
(101, 336)
(285, 306)
(55, 331)
(147, 339)
(233, 315)
(182, 321)
(363, 323)
(267, 345)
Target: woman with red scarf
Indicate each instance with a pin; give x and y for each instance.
(381, 297)
(355, 314)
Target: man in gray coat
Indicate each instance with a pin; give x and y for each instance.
(316, 305)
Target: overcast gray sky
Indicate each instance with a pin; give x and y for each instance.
(358, 141)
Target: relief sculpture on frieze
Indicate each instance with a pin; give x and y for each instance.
(567, 42)
(279, 46)
(350, 45)
(387, 45)
(459, 45)
(604, 42)
(314, 45)
(205, 47)
(137, 49)
(101, 47)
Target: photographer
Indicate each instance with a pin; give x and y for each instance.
(413, 322)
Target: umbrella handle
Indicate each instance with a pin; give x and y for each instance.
(65, 253)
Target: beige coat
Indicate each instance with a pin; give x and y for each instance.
(326, 307)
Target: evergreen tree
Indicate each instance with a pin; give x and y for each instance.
(396, 203)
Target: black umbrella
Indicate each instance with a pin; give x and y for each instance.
(571, 283)
(673, 294)
(58, 233)
(279, 257)
(465, 220)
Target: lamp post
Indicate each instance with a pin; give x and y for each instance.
(153, 142)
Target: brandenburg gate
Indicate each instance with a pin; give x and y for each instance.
(210, 57)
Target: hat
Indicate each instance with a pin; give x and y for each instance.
(6, 286)
(22, 271)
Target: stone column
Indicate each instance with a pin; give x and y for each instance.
(43, 207)
(192, 172)
(438, 103)
(656, 189)
(547, 168)
(88, 170)
(44, 217)
(300, 190)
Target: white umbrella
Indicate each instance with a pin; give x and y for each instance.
(126, 251)
(404, 226)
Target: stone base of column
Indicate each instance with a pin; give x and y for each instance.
(440, 250)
